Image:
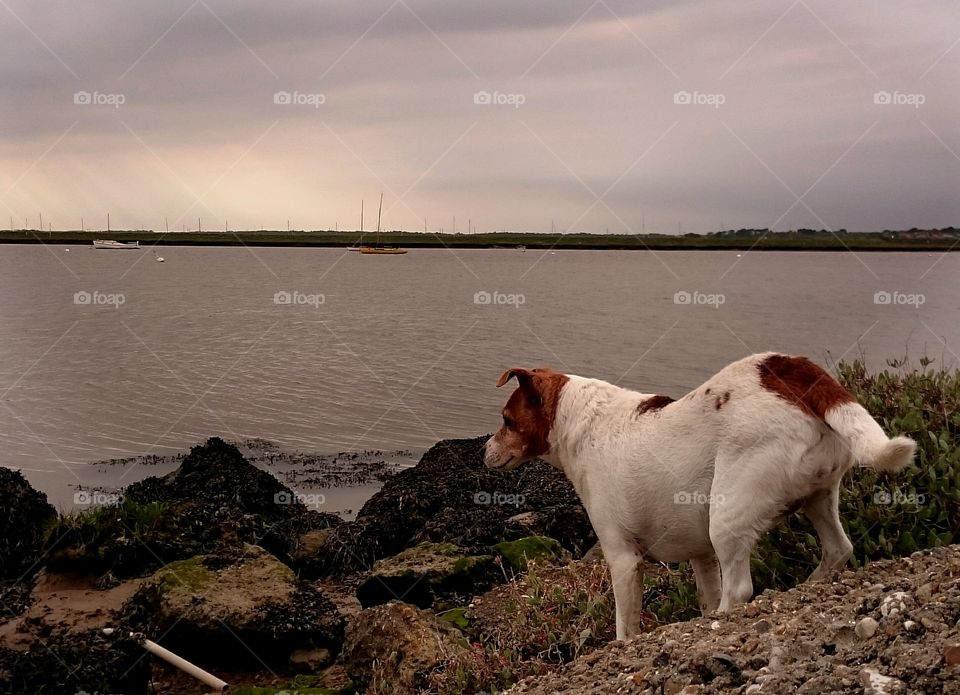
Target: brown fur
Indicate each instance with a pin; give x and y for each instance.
(531, 410)
(653, 403)
(721, 400)
(803, 383)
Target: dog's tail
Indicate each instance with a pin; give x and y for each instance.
(869, 444)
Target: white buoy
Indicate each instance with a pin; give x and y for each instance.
(178, 661)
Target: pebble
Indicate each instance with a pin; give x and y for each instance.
(715, 625)
(762, 626)
(866, 628)
(951, 655)
(875, 683)
(894, 604)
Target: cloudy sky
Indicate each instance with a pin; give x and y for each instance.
(663, 115)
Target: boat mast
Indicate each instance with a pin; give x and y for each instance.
(379, 210)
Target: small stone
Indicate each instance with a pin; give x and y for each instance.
(762, 626)
(925, 592)
(866, 628)
(951, 655)
(309, 660)
(894, 604)
(875, 683)
(911, 626)
(715, 625)
(751, 610)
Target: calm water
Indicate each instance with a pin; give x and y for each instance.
(393, 352)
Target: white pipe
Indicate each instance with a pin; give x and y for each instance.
(178, 661)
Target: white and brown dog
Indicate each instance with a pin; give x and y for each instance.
(701, 478)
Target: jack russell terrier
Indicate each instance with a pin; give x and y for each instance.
(701, 478)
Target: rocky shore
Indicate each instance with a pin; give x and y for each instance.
(451, 579)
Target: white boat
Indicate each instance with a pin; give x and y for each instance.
(112, 244)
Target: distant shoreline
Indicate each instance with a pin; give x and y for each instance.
(934, 240)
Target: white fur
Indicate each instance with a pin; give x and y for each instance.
(693, 482)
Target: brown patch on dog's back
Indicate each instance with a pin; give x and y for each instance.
(721, 400)
(802, 383)
(653, 403)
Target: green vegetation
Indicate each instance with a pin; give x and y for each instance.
(115, 537)
(803, 240)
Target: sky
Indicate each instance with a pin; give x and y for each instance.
(595, 115)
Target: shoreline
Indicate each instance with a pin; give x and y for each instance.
(512, 241)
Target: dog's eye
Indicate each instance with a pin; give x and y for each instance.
(507, 422)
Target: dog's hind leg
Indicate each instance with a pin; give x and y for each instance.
(746, 497)
(822, 509)
(625, 559)
(707, 572)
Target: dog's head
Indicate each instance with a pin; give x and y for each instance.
(528, 417)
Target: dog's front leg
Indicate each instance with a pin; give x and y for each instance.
(625, 561)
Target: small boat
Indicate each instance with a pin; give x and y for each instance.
(112, 244)
(378, 248)
(381, 248)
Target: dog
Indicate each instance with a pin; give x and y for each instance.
(698, 479)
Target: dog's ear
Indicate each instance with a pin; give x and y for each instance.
(524, 376)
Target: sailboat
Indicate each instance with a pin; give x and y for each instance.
(379, 248)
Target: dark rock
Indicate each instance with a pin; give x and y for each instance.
(25, 516)
(85, 662)
(451, 497)
(213, 503)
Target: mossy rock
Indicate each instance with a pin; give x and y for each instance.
(426, 572)
(215, 609)
(516, 554)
